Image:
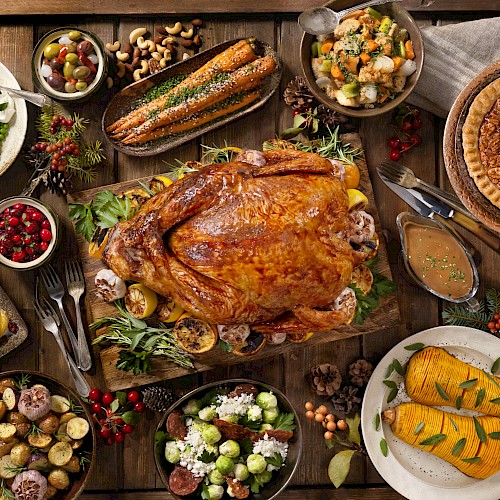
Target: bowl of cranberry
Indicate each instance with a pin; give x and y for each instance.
(28, 233)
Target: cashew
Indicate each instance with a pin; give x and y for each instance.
(113, 47)
(144, 67)
(109, 82)
(121, 56)
(137, 75)
(185, 56)
(121, 69)
(146, 44)
(163, 63)
(160, 48)
(187, 34)
(175, 30)
(156, 55)
(135, 34)
(168, 39)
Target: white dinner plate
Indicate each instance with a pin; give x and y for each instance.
(412, 472)
(10, 147)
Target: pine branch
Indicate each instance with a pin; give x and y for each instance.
(459, 315)
(493, 301)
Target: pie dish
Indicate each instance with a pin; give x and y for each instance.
(481, 142)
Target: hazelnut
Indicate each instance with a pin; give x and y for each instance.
(197, 22)
(128, 48)
(137, 52)
(187, 43)
(162, 30)
(159, 38)
(145, 54)
(135, 62)
(197, 40)
(129, 67)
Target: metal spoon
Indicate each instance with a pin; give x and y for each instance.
(40, 100)
(322, 20)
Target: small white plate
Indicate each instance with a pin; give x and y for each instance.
(10, 147)
(412, 472)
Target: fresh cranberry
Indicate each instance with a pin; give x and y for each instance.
(28, 239)
(31, 227)
(30, 210)
(119, 437)
(16, 238)
(3, 249)
(2, 223)
(36, 237)
(97, 407)
(95, 395)
(8, 243)
(415, 139)
(417, 123)
(119, 421)
(406, 146)
(139, 407)
(46, 224)
(38, 216)
(133, 396)
(36, 246)
(107, 398)
(46, 235)
(127, 428)
(394, 143)
(13, 221)
(43, 246)
(10, 231)
(29, 251)
(19, 256)
(394, 154)
(406, 126)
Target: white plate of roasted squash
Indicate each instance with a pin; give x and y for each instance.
(430, 415)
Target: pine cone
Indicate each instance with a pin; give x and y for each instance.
(345, 401)
(325, 379)
(56, 182)
(297, 94)
(360, 372)
(158, 398)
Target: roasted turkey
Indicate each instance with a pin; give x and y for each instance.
(263, 241)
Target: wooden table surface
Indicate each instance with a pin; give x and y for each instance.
(127, 471)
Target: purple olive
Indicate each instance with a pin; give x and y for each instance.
(85, 46)
(56, 81)
(55, 64)
(89, 79)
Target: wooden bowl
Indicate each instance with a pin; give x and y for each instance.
(279, 482)
(453, 152)
(404, 19)
(55, 387)
(123, 102)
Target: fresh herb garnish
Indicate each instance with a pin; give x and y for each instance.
(471, 460)
(22, 381)
(480, 397)
(441, 391)
(468, 383)
(419, 427)
(161, 89)
(455, 426)
(432, 440)
(224, 346)
(495, 401)
(206, 457)
(161, 437)
(377, 421)
(481, 434)
(459, 446)
(492, 379)
(3, 106)
(276, 460)
(494, 435)
(384, 448)
(284, 422)
(415, 347)
(458, 402)
(394, 390)
(397, 366)
(496, 366)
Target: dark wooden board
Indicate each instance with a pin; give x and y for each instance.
(386, 316)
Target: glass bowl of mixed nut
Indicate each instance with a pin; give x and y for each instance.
(69, 64)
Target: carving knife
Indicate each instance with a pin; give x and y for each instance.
(429, 207)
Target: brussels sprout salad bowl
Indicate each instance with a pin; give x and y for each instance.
(235, 438)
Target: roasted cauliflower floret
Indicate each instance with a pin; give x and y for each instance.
(346, 27)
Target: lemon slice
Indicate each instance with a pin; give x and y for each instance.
(137, 196)
(4, 322)
(159, 183)
(167, 310)
(140, 301)
(351, 176)
(357, 200)
(195, 335)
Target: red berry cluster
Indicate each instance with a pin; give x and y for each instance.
(494, 325)
(405, 123)
(25, 233)
(114, 413)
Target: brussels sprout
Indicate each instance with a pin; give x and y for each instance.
(198, 424)
(265, 427)
(264, 477)
(254, 413)
(225, 465)
(215, 477)
(172, 453)
(212, 448)
(270, 415)
(230, 418)
(229, 448)
(213, 492)
(256, 463)
(192, 407)
(266, 400)
(241, 472)
(208, 413)
(211, 434)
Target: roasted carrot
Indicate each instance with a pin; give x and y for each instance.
(245, 78)
(371, 45)
(365, 58)
(228, 60)
(195, 120)
(337, 73)
(398, 61)
(327, 46)
(410, 53)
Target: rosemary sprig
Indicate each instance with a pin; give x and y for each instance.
(22, 381)
(5, 491)
(179, 170)
(215, 154)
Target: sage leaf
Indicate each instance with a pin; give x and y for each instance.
(389, 370)
(495, 401)
(391, 384)
(496, 366)
(494, 435)
(415, 347)
(441, 391)
(471, 460)
(377, 421)
(459, 446)
(468, 383)
(492, 379)
(353, 423)
(432, 440)
(458, 402)
(455, 426)
(339, 467)
(480, 397)
(392, 395)
(419, 427)
(384, 448)
(481, 434)
(397, 366)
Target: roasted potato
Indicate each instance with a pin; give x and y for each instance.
(49, 423)
(16, 417)
(60, 454)
(20, 453)
(64, 419)
(10, 397)
(3, 409)
(7, 432)
(6, 447)
(73, 466)
(8, 468)
(40, 440)
(6, 382)
(51, 492)
(58, 478)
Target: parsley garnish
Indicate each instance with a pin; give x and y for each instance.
(3, 106)
(275, 460)
(284, 422)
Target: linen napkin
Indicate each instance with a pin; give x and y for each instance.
(454, 55)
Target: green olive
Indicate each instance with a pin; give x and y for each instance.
(69, 87)
(71, 47)
(68, 69)
(72, 58)
(81, 86)
(81, 72)
(51, 50)
(74, 35)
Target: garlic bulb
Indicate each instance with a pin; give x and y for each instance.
(109, 286)
(34, 403)
(233, 334)
(29, 485)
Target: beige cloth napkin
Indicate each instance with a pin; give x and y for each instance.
(454, 55)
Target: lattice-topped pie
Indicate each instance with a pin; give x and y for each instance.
(481, 142)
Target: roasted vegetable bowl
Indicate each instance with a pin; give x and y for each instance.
(233, 438)
(47, 440)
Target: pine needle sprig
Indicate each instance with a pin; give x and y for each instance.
(493, 300)
(216, 154)
(179, 170)
(458, 315)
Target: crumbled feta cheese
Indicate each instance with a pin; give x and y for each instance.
(268, 446)
(238, 406)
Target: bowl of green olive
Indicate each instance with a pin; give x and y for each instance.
(69, 64)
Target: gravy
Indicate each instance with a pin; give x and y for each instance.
(438, 260)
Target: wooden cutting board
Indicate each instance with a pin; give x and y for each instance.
(385, 316)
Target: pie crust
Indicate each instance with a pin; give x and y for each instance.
(478, 159)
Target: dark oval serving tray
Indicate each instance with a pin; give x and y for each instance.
(123, 102)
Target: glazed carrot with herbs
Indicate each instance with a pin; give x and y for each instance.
(230, 59)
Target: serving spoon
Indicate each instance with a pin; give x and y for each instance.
(323, 20)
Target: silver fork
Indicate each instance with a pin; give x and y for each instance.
(76, 286)
(50, 320)
(405, 177)
(55, 289)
